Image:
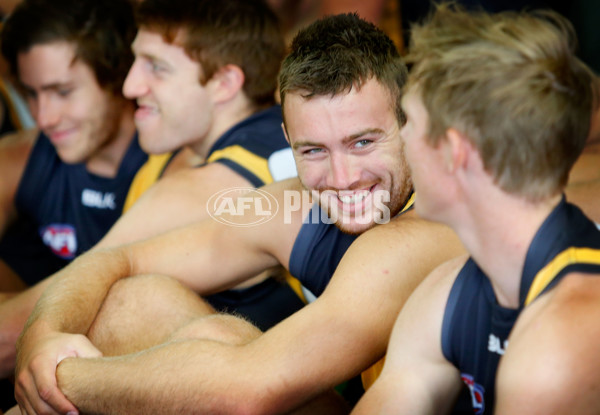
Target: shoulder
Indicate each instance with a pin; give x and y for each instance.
(22, 140)
(15, 150)
(413, 237)
(552, 352)
(14, 153)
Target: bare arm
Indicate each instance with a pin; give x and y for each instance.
(551, 365)
(14, 152)
(417, 378)
(14, 311)
(163, 207)
(329, 341)
(175, 200)
(198, 255)
(14, 308)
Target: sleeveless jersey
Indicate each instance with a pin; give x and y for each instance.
(475, 327)
(319, 248)
(63, 209)
(255, 148)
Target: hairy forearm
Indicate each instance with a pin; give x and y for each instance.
(72, 300)
(179, 377)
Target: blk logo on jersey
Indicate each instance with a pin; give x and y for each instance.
(60, 239)
(99, 200)
(476, 393)
(495, 345)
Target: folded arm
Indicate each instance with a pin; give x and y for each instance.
(327, 342)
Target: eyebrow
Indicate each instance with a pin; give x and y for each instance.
(345, 140)
(50, 87)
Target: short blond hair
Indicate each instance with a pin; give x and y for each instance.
(512, 83)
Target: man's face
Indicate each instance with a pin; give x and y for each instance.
(68, 105)
(174, 109)
(427, 164)
(348, 148)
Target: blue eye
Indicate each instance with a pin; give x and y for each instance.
(157, 68)
(64, 92)
(362, 143)
(312, 151)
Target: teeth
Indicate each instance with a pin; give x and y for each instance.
(353, 197)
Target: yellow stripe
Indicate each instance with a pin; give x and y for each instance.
(255, 164)
(145, 177)
(561, 261)
(411, 201)
(370, 375)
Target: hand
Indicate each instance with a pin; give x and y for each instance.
(36, 389)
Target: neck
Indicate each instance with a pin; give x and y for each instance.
(226, 115)
(107, 160)
(499, 230)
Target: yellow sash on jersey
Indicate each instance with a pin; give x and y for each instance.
(257, 165)
(561, 261)
(146, 176)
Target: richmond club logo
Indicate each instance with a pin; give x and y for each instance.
(477, 392)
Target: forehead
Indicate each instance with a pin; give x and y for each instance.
(152, 44)
(345, 114)
(51, 63)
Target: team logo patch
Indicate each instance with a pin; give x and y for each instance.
(60, 239)
(477, 392)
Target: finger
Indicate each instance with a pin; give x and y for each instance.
(31, 404)
(50, 395)
(21, 397)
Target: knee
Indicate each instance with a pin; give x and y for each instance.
(142, 311)
(153, 293)
(224, 328)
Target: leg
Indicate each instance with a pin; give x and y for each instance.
(142, 311)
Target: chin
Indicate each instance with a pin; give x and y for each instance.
(354, 228)
(71, 158)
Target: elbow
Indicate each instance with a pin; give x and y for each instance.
(255, 402)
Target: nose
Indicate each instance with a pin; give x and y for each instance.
(343, 172)
(134, 85)
(45, 111)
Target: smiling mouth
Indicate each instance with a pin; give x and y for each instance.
(144, 111)
(58, 136)
(353, 197)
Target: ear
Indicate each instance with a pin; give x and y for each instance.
(457, 151)
(229, 81)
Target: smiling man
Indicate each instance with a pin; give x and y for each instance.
(340, 92)
(63, 186)
(204, 76)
